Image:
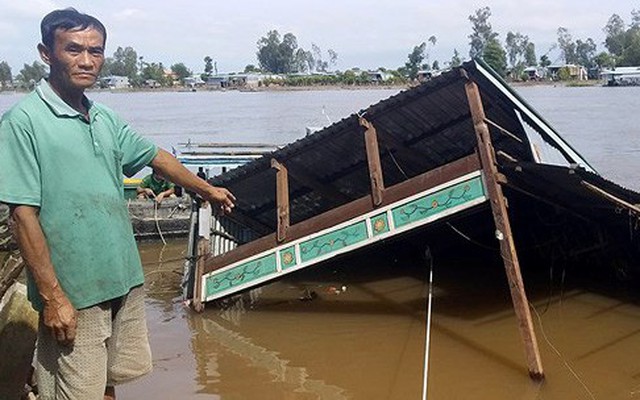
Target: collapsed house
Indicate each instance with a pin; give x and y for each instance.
(458, 145)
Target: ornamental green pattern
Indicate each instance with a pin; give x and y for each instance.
(243, 273)
(379, 224)
(435, 203)
(333, 241)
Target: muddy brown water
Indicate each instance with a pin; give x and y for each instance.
(355, 329)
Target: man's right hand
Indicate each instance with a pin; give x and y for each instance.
(60, 316)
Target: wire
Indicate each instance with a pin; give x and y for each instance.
(459, 232)
(393, 158)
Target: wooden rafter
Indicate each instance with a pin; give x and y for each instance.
(282, 199)
(373, 160)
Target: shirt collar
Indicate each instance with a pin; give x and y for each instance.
(57, 105)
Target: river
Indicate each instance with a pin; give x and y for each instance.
(367, 341)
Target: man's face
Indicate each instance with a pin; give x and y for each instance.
(76, 58)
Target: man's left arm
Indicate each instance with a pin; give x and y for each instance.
(174, 171)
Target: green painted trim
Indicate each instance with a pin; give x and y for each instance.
(288, 257)
(333, 241)
(435, 203)
(241, 274)
(411, 212)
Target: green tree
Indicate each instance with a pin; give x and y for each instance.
(520, 50)
(278, 55)
(181, 71)
(624, 43)
(605, 60)
(482, 32)
(208, 66)
(123, 63)
(455, 59)
(635, 19)
(155, 71)
(615, 31)
(5, 74)
(544, 61)
(567, 46)
(414, 61)
(586, 52)
(333, 57)
(530, 54)
(495, 56)
(30, 74)
(251, 68)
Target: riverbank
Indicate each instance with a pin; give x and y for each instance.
(284, 88)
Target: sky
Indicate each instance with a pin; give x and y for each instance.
(366, 34)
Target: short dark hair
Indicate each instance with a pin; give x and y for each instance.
(68, 19)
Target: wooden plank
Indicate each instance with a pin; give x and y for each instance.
(616, 200)
(503, 232)
(282, 199)
(350, 210)
(373, 159)
(202, 254)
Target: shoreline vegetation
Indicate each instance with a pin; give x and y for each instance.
(310, 88)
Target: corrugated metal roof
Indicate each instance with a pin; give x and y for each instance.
(418, 130)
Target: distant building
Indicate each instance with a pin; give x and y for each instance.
(425, 75)
(577, 72)
(193, 81)
(378, 76)
(114, 82)
(622, 76)
(235, 81)
(151, 83)
(534, 73)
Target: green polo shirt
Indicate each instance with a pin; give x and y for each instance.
(157, 186)
(52, 158)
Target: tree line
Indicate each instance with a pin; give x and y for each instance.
(281, 54)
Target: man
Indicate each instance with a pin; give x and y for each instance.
(61, 163)
(155, 186)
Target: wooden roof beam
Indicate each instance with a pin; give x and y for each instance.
(373, 160)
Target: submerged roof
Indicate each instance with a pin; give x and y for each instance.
(418, 130)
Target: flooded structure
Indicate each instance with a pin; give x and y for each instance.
(458, 147)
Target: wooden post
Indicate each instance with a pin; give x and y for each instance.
(373, 159)
(503, 232)
(202, 253)
(282, 199)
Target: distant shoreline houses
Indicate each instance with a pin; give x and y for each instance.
(621, 76)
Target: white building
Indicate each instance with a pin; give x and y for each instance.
(114, 82)
(622, 76)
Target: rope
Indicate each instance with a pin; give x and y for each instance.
(155, 215)
(427, 345)
(562, 358)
